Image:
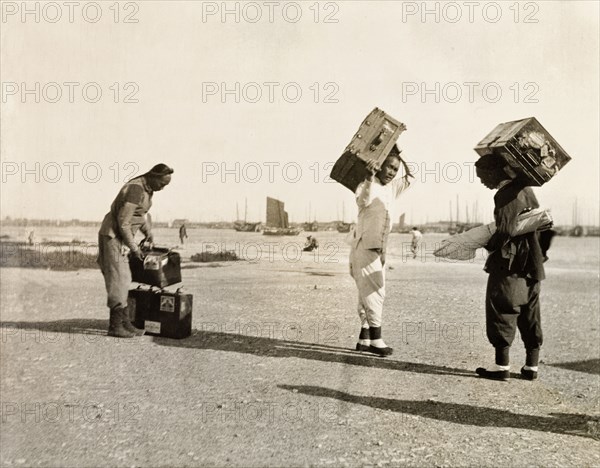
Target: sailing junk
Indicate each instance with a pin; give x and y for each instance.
(527, 147)
(245, 226)
(375, 139)
(277, 220)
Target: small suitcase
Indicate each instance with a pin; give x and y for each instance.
(375, 139)
(159, 312)
(161, 267)
(527, 147)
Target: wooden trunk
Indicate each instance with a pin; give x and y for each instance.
(375, 139)
(527, 147)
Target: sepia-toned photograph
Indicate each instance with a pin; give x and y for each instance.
(299, 233)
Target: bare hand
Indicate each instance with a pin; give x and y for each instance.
(138, 255)
(372, 166)
(148, 243)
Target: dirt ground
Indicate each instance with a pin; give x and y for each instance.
(269, 377)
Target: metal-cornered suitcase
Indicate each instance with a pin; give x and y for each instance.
(160, 312)
(374, 139)
(161, 267)
(527, 147)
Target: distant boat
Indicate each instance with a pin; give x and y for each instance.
(277, 220)
(311, 227)
(245, 226)
(242, 226)
(344, 227)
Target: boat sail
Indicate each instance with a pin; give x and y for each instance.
(277, 220)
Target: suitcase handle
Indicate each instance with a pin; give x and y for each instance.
(377, 141)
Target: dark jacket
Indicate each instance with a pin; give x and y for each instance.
(520, 255)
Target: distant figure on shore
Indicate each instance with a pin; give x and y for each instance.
(127, 215)
(374, 197)
(516, 270)
(311, 244)
(31, 237)
(417, 236)
(182, 233)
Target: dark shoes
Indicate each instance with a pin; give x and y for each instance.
(528, 374)
(387, 351)
(505, 375)
(493, 375)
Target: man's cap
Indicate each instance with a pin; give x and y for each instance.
(160, 170)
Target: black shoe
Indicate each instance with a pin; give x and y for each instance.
(387, 351)
(528, 374)
(362, 347)
(493, 375)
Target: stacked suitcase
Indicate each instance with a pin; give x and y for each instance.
(151, 307)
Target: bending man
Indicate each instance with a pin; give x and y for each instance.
(116, 238)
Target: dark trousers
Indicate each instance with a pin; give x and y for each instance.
(513, 302)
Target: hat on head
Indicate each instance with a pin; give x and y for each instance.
(160, 170)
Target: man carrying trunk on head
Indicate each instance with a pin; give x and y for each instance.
(515, 268)
(374, 198)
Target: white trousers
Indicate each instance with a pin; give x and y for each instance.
(369, 275)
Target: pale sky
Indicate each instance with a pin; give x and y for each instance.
(180, 60)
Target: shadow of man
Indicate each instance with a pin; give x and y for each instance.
(271, 347)
(560, 423)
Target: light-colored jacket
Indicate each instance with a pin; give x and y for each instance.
(374, 202)
(122, 221)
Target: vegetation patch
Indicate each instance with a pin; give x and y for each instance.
(225, 256)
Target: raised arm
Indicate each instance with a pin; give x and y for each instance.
(363, 191)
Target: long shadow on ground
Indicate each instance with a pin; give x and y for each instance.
(71, 326)
(261, 346)
(591, 366)
(559, 423)
(239, 343)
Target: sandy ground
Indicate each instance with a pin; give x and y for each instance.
(268, 377)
